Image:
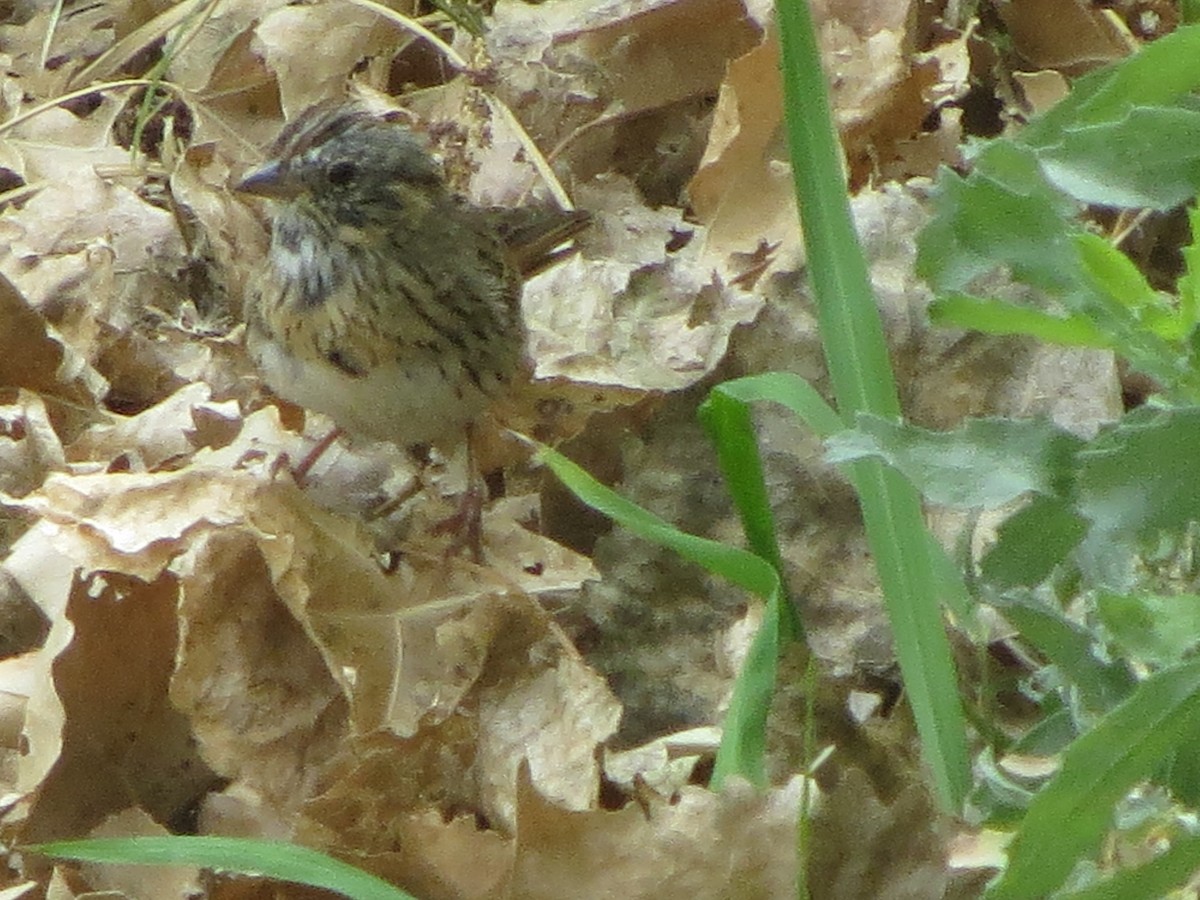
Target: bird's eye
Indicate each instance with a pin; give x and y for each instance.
(341, 172)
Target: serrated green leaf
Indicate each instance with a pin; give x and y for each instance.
(984, 463)
(1155, 629)
(1141, 475)
(1032, 541)
(1188, 286)
(1148, 157)
(981, 224)
(1116, 274)
(1157, 75)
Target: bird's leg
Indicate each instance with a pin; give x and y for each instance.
(466, 523)
(393, 503)
(300, 473)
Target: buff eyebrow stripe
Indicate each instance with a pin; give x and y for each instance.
(301, 135)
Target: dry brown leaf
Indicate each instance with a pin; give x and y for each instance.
(33, 355)
(290, 634)
(452, 860)
(29, 446)
(100, 732)
(18, 679)
(864, 848)
(543, 705)
(630, 311)
(434, 858)
(665, 765)
(881, 96)
(149, 439)
(89, 251)
(654, 53)
(45, 71)
(310, 48)
(742, 191)
(1064, 34)
(531, 698)
(1042, 89)
(739, 843)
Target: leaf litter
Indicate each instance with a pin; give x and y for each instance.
(207, 647)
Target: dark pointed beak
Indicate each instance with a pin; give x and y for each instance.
(269, 180)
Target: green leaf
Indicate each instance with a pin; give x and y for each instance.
(1167, 872)
(1111, 269)
(466, 15)
(1157, 75)
(958, 310)
(1142, 327)
(1148, 157)
(982, 224)
(1126, 306)
(984, 463)
(1052, 734)
(743, 739)
(1068, 817)
(1071, 648)
(1125, 134)
(1135, 478)
(272, 859)
(1188, 286)
(1032, 541)
(1157, 630)
(1181, 775)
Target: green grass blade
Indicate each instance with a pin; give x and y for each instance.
(272, 859)
(739, 566)
(1069, 817)
(1169, 872)
(728, 422)
(790, 391)
(743, 738)
(851, 330)
(743, 749)
(913, 594)
(859, 367)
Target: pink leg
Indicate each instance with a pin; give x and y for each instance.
(300, 473)
(466, 524)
